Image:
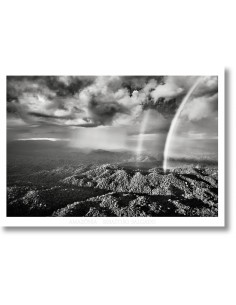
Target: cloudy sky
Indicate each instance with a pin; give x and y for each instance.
(108, 112)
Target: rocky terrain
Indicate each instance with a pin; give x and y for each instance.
(116, 190)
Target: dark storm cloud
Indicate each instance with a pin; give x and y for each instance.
(139, 82)
(16, 85)
(50, 86)
(167, 107)
(68, 85)
(59, 84)
(99, 99)
(102, 110)
(105, 100)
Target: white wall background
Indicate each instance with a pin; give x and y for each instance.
(120, 266)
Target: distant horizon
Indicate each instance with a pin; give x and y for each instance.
(213, 159)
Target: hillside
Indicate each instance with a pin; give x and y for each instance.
(116, 190)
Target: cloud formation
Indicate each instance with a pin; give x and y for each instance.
(201, 107)
(89, 101)
(106, 112)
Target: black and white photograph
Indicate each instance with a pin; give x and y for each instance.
(118, 123)
(112, 146)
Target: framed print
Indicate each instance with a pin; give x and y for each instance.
(144, 150)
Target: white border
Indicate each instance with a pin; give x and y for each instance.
(127, 221)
